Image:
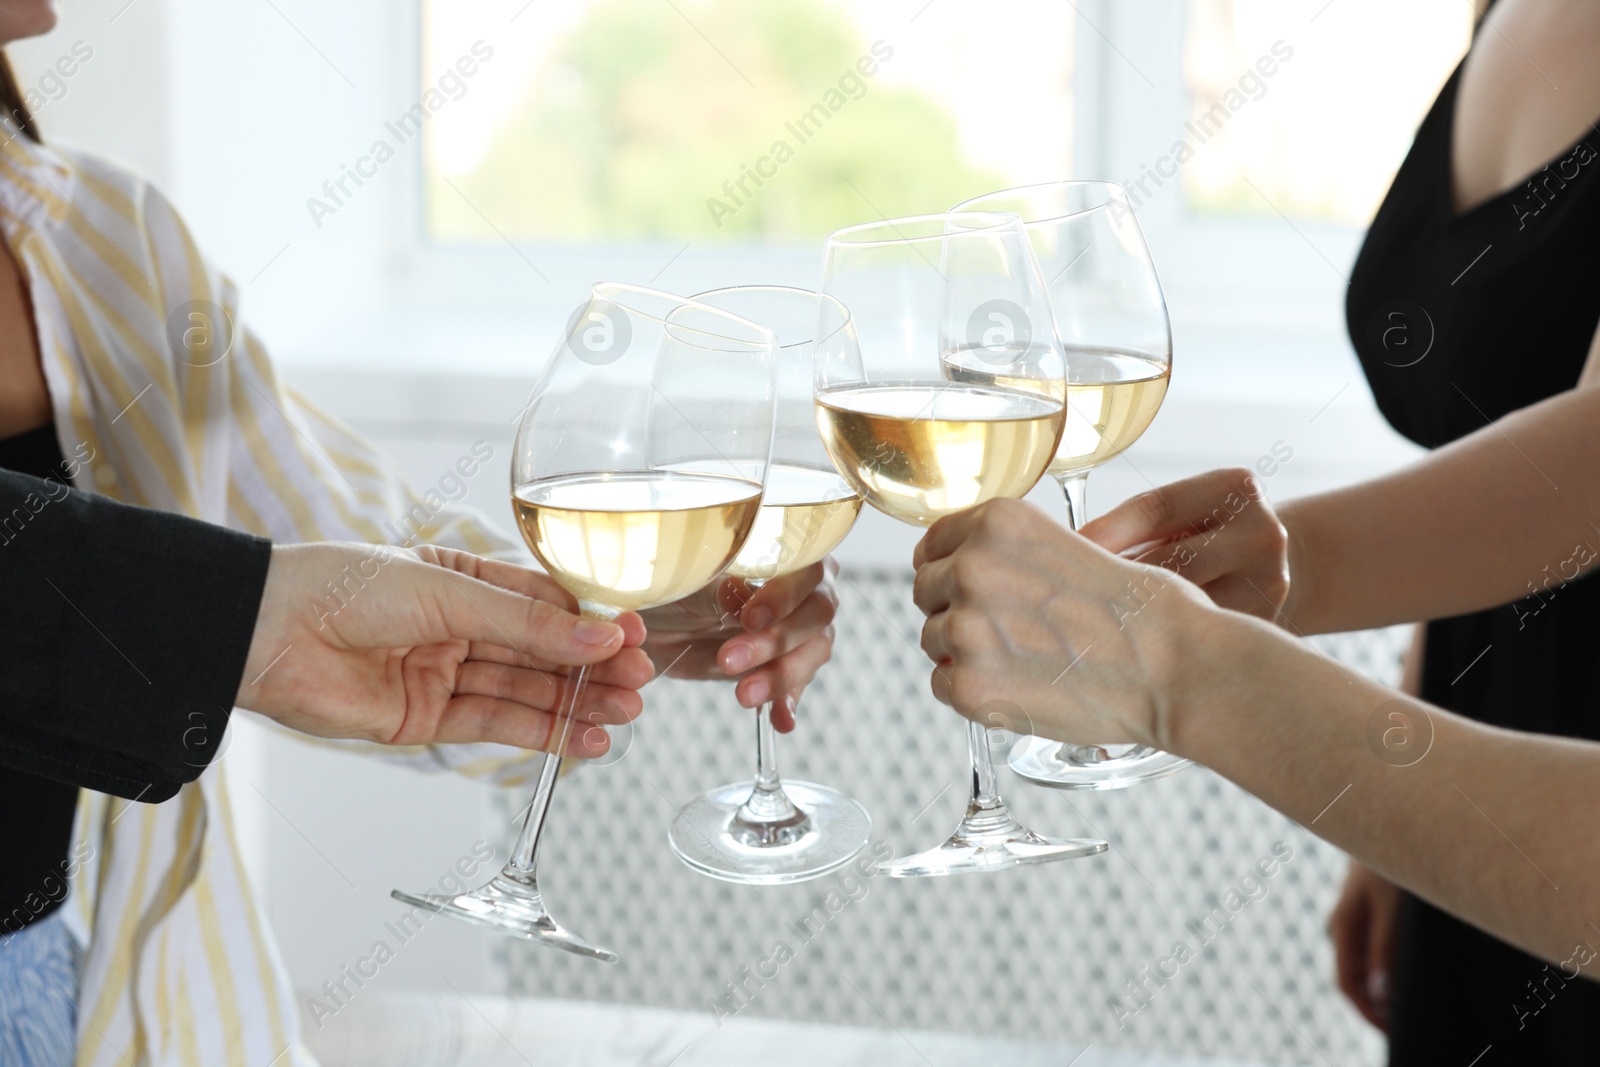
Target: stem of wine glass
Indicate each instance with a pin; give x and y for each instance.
(524, 860)
(985, 794)
(766, 752)
(525, 855)
(768, 817)
(1076, 488)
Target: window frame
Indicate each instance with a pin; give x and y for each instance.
(1220, 274)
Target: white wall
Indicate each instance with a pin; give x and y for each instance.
(118, 100)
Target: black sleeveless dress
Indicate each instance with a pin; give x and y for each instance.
(1459, 320)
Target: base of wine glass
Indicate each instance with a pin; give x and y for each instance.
(511, 904)
(1064, 766)
(804, 831)
(989, 839)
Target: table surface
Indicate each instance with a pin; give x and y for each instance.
(444, 1030)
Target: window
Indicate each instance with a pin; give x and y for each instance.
(1315, 113)
(697, 143)
(731, 121)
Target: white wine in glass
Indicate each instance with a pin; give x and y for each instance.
(918, 444)
(1112, 397)
(636, 476)
(634, 540)
(1112, 320)
(772, 831)
(918, 452)
(805, 513)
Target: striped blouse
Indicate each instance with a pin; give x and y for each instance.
(162, 398)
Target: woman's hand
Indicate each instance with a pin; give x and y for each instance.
(1362, 929)
(1017, 604)
(432, 645)
(773, 639)
(1216, 529)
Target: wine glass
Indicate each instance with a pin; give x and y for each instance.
(636, 476)
(917, 443)
(1112, 320)
(767, 832)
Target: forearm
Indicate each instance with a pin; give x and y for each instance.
(1484, 521)
(127, 630)
(1484, 823)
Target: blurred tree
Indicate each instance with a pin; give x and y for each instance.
(636, 123)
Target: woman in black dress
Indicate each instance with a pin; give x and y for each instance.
(1477, 294)
(1475, 301)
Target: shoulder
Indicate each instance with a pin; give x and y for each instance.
(128, 210)
(101, 184)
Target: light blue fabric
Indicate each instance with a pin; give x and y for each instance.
(38, 995)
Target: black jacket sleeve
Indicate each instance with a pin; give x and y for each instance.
(125, 635)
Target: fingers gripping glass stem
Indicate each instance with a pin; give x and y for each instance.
(637, 472)
(767, 832)
(1112, 320)
(1068, 766)
(955, 395)
(511, 901)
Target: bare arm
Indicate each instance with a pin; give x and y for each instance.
(1504, 513)
(1499, 828)
(1480, 522)
(1486, 823)
(1363, 921)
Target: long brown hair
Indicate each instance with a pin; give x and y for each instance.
(11, 98)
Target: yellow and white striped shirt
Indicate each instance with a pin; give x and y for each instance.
(180, 965)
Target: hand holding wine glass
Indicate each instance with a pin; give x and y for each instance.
(1217, 529)
(767, 831)
(771, 636)
(1017, 609)
(636, 476)
(1112, 320)
(437, 646)
(919, 443)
